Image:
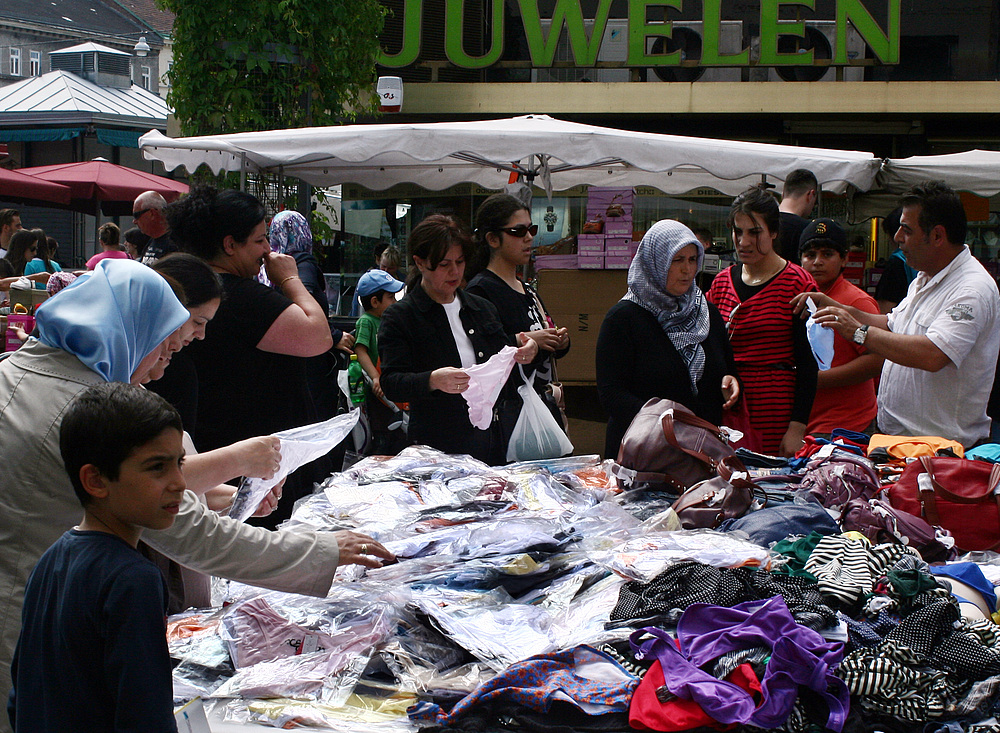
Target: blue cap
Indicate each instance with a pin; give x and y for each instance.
(374, 280)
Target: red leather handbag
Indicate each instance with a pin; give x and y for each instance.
(957, 494)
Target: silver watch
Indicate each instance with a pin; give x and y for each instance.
(860, 335)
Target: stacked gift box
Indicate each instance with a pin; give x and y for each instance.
(613, 249)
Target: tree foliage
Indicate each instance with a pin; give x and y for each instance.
(270, 64)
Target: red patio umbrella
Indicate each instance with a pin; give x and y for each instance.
(20, 188)
(98, 182)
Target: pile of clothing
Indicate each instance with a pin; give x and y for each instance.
(538, 596)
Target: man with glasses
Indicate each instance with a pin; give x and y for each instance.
(147, 213)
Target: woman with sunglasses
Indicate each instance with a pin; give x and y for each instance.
(427, 340)
(769, 341)
(663, 339)
(504, 234)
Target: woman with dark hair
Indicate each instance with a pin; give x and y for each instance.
(42, 262)
(775, 362)
(251, 370)
(436, 331)
(664, 339)
(177, 380)
(504, 233)
(20, 251)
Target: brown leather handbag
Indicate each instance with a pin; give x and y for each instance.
(708, 504)
(669, 448)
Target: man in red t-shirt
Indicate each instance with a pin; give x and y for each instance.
(845, 393)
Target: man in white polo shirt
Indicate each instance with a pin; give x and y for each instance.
(941, 342)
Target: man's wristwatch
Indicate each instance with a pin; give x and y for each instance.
(860, 335)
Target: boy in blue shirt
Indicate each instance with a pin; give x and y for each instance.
(377, 291)
(92, 655)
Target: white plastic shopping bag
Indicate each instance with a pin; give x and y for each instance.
(537, 435)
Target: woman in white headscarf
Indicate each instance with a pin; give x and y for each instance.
(663, 339)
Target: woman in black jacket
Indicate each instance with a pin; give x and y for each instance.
(663, 339)
(427, 339)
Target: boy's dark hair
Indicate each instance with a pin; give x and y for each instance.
(799, 181)
(939, 204)
(105, 424)
(366, 301)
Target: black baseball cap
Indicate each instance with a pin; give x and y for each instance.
(823, 233)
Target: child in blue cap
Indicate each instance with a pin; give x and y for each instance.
(377, 291)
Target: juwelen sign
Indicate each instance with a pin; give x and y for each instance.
(542, 37)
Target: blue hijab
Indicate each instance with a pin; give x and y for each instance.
(112, 318)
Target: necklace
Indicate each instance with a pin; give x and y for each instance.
(762, 278)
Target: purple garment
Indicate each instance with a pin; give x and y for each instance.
(799, 656)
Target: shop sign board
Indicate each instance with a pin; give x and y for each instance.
(585, 42)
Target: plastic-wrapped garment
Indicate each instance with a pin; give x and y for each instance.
(490, 626)
(581, 621)
(415, 461)
(307, 675)
(799, 656)
(820, 339)
(362, 713)
(685, 583)
(299, 446)
(255, 633)
(589, 679)
(643, 558)
(485, 382)
(514, 534)
(543, 492)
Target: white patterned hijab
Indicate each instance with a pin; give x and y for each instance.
(683, 318)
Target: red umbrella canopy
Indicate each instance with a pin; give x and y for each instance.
(16, 186)
(99, 180)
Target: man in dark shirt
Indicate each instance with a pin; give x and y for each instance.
(147, 212)
(798, 198)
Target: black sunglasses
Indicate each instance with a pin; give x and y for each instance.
(139, 213)
(520, 230)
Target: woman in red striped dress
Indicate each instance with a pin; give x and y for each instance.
(769, 341)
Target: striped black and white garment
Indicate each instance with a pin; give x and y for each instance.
(847, 569)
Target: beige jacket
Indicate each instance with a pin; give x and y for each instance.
(37, 503)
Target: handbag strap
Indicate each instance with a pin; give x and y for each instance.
(928, 495)
(667, 424)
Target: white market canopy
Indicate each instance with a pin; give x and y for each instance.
(976, 171)
(553, 154)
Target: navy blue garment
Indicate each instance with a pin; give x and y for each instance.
(93, 649)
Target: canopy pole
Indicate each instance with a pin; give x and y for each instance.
(243, 172)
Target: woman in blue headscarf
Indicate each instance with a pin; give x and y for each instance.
(664, 339)
(115, 324)
(111, 325)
